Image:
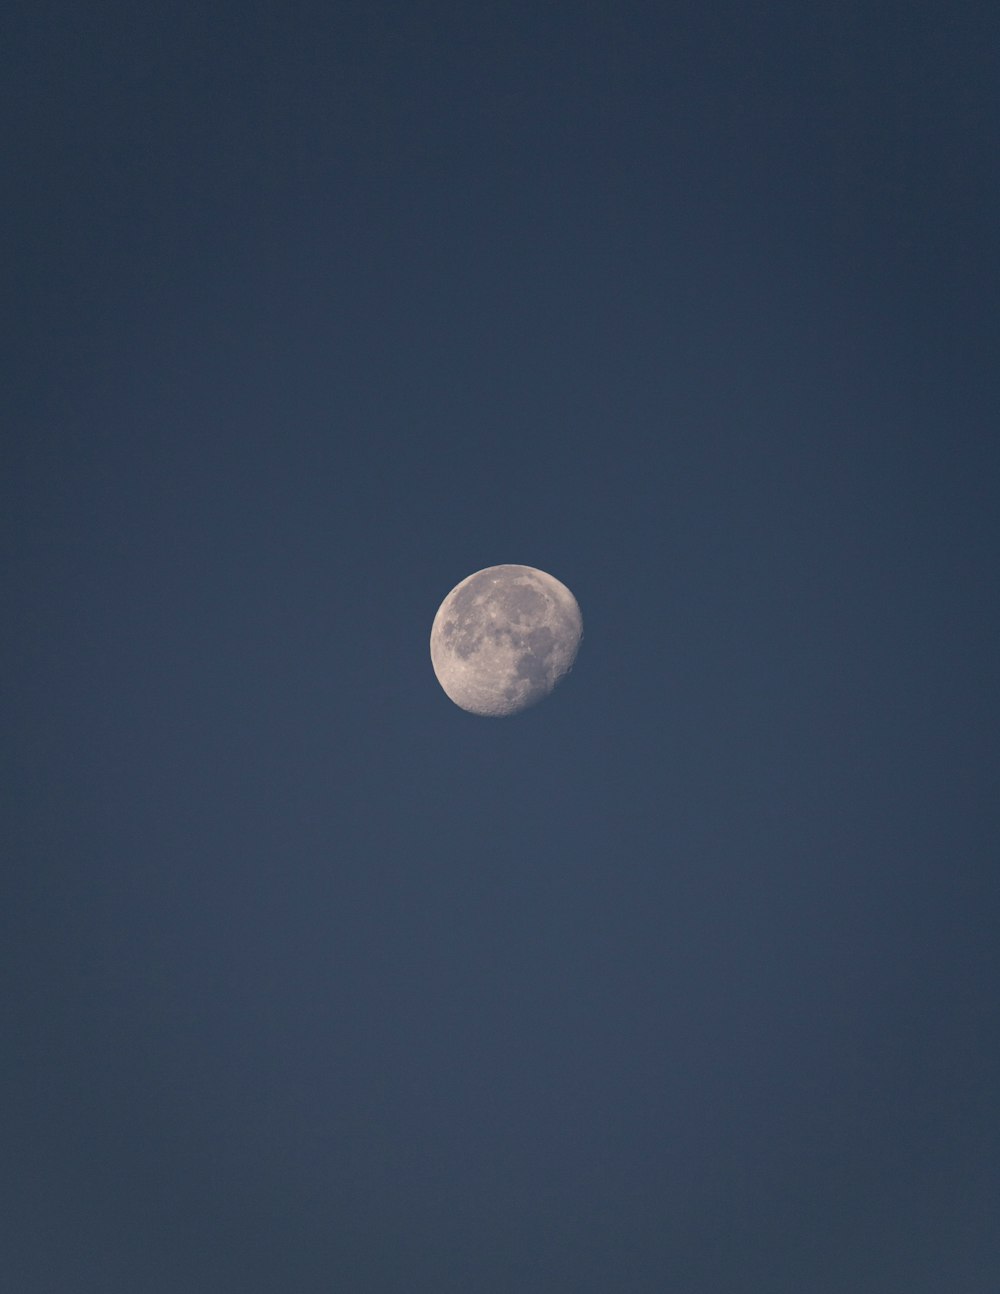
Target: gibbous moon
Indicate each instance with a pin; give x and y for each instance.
(504, 638)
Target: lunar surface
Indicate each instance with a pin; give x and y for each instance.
(504, 638)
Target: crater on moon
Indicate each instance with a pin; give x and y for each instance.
(504, 638)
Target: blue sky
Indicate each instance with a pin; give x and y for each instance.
(682, 980)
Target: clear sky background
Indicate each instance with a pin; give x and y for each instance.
(684, 981)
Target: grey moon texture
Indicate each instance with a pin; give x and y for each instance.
(504, 638)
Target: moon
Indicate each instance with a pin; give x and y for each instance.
(504, 638)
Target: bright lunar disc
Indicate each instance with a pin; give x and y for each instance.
(503, 639)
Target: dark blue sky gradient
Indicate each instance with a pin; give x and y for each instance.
(685, 980)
